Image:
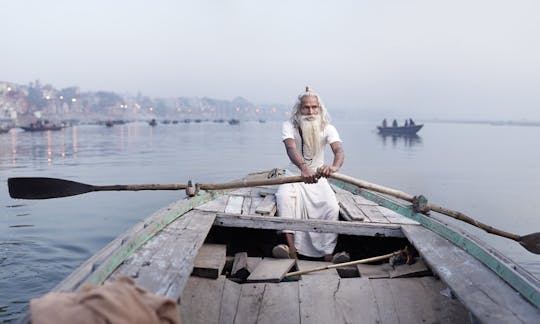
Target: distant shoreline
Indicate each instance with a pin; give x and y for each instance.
(488, 122)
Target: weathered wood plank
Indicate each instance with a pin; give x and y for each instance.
(417, 269)
(279, 304)
(489, 298)
(317, 300)
(350, 207)
(355, 302)
(240, 268)
(210, 261)
(100, 266)
(164, 263)
(249, 303)
(271, 270)
(396, 218)
(216, 205)
(255, 201)
(267, 207)
(229, 302)
(374, 271)
(363, 201)
(412, 300)
(253, 262)
(373, 213)
(234, 204)
(246, 206)
(198, 302)
(339, 227)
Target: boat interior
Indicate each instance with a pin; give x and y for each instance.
(253, 287)
(213, 254)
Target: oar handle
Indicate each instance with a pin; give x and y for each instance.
(172, 186)
(373, 186)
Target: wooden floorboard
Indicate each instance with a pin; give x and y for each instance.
(317, 300)
(355, 302)
(279, 304)
(200, 301)
(271, 270)
(249, 303)
(229, 302)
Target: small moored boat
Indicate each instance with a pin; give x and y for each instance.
(212, 253)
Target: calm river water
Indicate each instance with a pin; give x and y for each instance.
(489, 172)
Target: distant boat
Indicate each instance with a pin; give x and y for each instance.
(262, 121)
(109, 123)
(234, 121)
(153, 122)
(400, 130)
(40, 126)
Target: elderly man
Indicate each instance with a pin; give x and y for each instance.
(305, 136)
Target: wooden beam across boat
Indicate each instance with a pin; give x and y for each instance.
(307, 225)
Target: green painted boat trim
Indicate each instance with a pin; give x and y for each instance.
(505, 269)
(133, 244)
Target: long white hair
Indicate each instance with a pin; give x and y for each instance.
(296, 114)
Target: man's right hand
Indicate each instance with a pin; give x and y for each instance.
(309, 176)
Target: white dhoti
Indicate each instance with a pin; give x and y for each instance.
(309, 201)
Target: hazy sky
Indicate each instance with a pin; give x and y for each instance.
(462, 59)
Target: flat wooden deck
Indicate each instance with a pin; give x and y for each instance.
(320, 297)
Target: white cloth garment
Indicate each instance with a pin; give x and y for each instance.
(309, 201)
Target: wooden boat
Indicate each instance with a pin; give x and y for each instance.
(193, 251)
(40, 126)
(234, 121)
(400, 130)
(152, 123)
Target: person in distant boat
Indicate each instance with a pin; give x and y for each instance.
(394, 123)
(411, 122)
(406, 123)
(305, 136)
(384, 124)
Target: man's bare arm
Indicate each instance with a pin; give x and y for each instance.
(339, 157)
(297, 159)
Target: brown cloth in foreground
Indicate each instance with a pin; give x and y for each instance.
(118, 302)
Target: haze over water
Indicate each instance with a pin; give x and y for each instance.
(488, 172)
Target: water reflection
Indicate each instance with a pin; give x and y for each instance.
(401, 139)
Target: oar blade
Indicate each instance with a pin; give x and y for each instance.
(45, 188)
(531, 242)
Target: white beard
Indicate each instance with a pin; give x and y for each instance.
(311, 134)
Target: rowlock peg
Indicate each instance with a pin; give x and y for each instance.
(420, 204)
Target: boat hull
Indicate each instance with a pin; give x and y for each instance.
(402, 130)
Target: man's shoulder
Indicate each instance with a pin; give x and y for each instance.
(329, 127)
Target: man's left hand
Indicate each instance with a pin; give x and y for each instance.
(326, 170)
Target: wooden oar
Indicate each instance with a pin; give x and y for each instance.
(338, 265)
(531, 242)
(45, 188)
